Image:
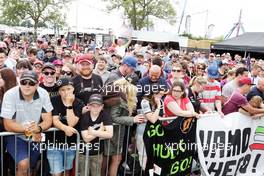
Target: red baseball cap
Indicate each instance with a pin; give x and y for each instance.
(245, 80)
(85, 58)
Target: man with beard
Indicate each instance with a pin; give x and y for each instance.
(86, 83)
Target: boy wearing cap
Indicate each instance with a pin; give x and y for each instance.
(66, 115)
(22, 109)
(238, 99)
(95, 124)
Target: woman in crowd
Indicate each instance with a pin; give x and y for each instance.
(176, 75)
(68, 70)
(7, 81)
(200, 69)
(152, 108)
(177, 103)
(121, 105)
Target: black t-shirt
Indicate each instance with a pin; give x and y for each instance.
(84, 88)
(194, 99)
(53, 91)
(60, 110)
(86, 121)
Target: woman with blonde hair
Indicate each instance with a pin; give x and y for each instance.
(120, 101)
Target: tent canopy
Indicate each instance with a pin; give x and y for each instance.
(250, 42)
(157, 37)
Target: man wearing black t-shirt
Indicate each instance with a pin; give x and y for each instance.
(95, 124)
(66, 114)
(48, 72)
(86, 83)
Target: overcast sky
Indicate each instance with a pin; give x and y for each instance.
(222, 13)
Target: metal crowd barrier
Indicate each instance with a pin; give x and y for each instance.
(104, 166)
(5, 134)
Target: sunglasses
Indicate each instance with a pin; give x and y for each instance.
(174, 70)
(49, 73)
(66, 73)
(27, 82)
(199, 68)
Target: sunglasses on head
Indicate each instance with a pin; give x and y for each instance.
(27, 82)
(66, 73)
(49, 73)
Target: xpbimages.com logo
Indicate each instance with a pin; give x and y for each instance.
(82, 147)
(146, 89)
(182, 146)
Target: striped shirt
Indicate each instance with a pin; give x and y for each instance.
(211, 93)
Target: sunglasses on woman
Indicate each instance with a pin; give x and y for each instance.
(176, 70)
(27, 82)
(68, 73)
(49, 73)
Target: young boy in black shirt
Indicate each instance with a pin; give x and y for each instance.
(95, 124)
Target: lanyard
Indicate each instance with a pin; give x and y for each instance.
(87, 89)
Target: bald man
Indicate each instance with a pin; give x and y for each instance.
(257, 90)
(145, 84)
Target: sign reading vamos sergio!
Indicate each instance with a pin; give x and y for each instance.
(233, 145)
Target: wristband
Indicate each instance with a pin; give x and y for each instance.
(40, 129)
(69, 107)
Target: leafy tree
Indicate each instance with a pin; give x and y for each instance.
(139, 10)
(35, 12)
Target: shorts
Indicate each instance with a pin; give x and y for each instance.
(21, 150)
(56, 160)
(112, 147)
(94, 165)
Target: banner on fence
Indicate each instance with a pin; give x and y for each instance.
(170, 148)
(233, 145)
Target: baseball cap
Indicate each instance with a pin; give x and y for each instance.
(245, 80)
(29, 75)
(85, 58)
(57, 62)
(212, 71)
(130, 61)
(49, 65)
(96, 98)
(63, 81)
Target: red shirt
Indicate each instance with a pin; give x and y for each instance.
(169, 99)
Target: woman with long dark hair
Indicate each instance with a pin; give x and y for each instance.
(7, 81)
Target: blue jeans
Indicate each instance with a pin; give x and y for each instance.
(56, 160)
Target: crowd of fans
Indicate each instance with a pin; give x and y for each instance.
(89, 90)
